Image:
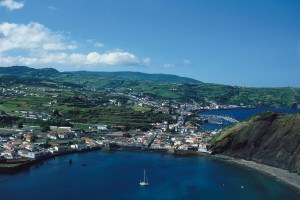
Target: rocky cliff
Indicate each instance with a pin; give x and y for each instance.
(269, 138)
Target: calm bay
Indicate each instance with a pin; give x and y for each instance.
(116, 175)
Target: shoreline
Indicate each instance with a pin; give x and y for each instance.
(26, 165)
(291, 179)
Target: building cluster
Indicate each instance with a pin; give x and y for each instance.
(30, 145)
(4, 91)
(188, 142)
(178, 134)
(15, 148)
(33, 115)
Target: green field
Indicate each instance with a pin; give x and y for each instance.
(141, 109)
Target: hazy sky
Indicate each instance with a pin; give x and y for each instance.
(246, 43)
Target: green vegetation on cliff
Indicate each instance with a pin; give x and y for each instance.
(269, 138)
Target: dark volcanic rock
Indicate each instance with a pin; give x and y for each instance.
(269, 138)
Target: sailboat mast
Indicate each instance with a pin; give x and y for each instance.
(145, 181)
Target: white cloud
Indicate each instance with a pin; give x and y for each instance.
(32, 36)
(77, 59)
(37, 45)
(99, 45)
(146, 61)
(113, 58)
(95, 44)
(167, 65)
(90, 59)
(186, 62)
(11, 4)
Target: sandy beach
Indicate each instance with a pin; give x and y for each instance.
(292, 179)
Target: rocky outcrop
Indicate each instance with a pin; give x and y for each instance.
(269, 138)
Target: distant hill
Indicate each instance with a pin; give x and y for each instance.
(145, 77)
(15, 70)
(157, 85)
(269, 138)
(23, 71)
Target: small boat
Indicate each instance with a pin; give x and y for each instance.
(145, 181)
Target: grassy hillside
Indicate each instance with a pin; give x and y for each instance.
(156, 85)
(269, 138)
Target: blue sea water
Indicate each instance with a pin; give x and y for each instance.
(242, 114)
(116, 175)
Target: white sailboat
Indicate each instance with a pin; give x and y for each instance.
(145, 181)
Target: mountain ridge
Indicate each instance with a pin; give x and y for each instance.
(140, 76)
(156, 85)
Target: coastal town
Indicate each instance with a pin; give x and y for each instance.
(27, 144)
(183, 134)
(30, 143)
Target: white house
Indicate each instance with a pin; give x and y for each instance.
(102, 127)
(59, 149)
(30, 147)
(8, 154)
(64, 128)
(29, 154)
(52, 136)
(53, 128)
(78, 146)
(68, 135)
